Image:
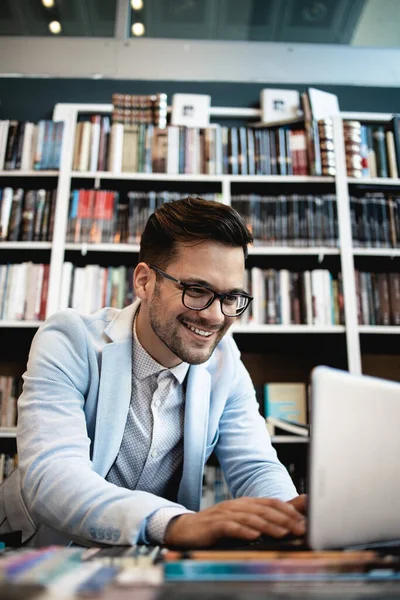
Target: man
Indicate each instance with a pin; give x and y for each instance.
(121, 409)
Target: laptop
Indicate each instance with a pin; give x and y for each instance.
(354, 467)
(354, 460)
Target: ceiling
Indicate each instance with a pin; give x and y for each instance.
(354, 22)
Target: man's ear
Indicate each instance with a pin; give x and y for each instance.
(143, 281)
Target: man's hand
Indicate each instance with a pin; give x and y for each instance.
(300, 503)
(245, 518)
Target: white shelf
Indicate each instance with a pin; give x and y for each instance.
(278, 179)
(84, 248)
(390, 252)
(374, 180)
(25, 245)
(255, 250)
(366, 116)
(144, 176)
(382, 329)
(201, 177)
(21, 324)
(288, 329)
(17, 173)
(289, 439)
(8, 432)
(291, 250)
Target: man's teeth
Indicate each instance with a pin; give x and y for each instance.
(199, 331)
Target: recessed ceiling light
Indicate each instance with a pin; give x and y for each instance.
(55, 27)
(48, 3)
(137, 4)
(137, 29)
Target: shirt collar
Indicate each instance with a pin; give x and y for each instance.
(144, 365)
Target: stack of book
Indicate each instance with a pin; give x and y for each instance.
(282, 297)
(378, 298)
(213, 150)
(215, 488)
(10, 389)
(375, 220)
(290, 220)
(27, 215)
(8, 462)
(130, 109)
(370, 150)
(26, 146)
(90, 288)
(98, 216)
(23, 291)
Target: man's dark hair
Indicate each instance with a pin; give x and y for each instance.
(190, 220)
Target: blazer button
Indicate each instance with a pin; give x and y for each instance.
(92, 532)
(100, 533)
(116, 534)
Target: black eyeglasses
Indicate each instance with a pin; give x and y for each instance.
(200, 297)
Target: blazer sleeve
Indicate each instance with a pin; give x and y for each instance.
(244, 450)
(58, 484)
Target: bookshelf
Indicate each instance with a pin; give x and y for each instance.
(339, 345)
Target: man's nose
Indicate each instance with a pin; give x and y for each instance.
(213, 313)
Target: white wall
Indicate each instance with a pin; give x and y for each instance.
(176, 60)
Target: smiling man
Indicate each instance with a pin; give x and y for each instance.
(121, 409)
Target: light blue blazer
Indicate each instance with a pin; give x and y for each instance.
(71, 419)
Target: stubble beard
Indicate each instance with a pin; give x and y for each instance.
(168, 333)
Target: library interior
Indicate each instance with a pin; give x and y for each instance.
(199, 299)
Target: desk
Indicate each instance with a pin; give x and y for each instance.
(63, 578)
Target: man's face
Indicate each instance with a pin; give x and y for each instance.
(216, 265)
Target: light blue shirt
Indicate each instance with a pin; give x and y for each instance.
(151, 453)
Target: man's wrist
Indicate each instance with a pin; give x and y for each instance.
(158, 522)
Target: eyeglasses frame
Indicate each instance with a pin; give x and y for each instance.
(220, 297)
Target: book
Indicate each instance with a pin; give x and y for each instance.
(324, 105)
(286, 401)
(395, 128)
(277, 426)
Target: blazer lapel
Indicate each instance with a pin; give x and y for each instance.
(195, 431)
(115, 390)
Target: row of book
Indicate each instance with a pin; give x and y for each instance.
(371, 150)
(98, 216)
(28, 146)
(10, 390)
(378, 298)
(375, 220)
(283, 297)
(92, 287)
(27, 215)
(214, 150)
(23, 291)
(290, 220)
(8, 462)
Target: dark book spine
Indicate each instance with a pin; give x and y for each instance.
(19, 142)
(394, 293)
(11, 148)
(28, 213)
(16, 215)
(380, 151)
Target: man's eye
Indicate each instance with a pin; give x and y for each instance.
(196, 292)
(231, 300)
